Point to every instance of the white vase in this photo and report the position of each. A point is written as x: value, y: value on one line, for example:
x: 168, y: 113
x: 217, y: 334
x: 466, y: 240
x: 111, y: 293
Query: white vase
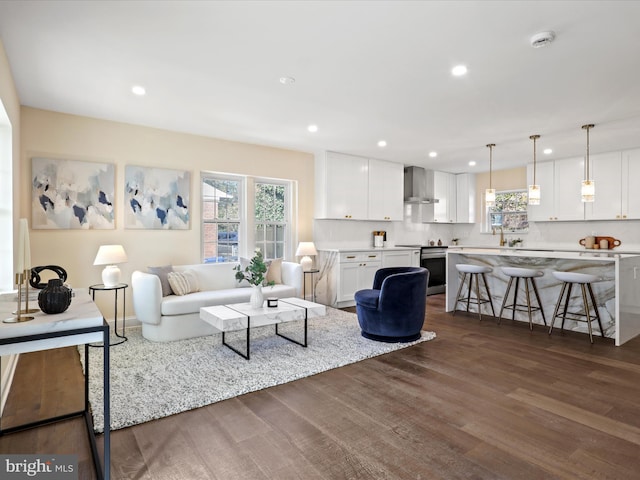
x: 257, y: 299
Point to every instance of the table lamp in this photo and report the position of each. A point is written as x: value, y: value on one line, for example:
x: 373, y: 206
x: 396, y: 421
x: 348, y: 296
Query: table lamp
x: 110, y: 255
x: 305, y: 249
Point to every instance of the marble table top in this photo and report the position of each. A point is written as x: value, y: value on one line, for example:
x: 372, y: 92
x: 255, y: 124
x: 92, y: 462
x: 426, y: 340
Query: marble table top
x: 234, y: 317
x: 82, y: 313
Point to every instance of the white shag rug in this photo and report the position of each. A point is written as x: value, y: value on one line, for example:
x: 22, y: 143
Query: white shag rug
x: 152, y: 380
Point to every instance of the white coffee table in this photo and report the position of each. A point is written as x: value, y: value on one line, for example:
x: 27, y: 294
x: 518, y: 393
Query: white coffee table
x: 240, y: 316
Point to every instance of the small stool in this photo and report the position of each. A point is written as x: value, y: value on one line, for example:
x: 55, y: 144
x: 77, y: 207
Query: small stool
x: 529, y: 275
x: 474, y: 271
x: 585, y: 281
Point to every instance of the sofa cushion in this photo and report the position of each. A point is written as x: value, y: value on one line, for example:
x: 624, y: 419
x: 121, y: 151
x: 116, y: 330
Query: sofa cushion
x: 192, y: 303
x: 161, y: 273
x: 183, y: 282
x: 274, y: 272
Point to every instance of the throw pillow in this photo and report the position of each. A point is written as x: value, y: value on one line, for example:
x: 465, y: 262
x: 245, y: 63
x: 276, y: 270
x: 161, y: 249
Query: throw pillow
x: 274, y: 272
x: 183, y: 283
x: 162, y: 272
x: 244, y: 263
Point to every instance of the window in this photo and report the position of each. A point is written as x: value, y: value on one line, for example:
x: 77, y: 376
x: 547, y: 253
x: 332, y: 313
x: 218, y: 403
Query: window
x: 242, y: 213
x: 270, y: 219
x: 220, y: 219
x: 509, y: 212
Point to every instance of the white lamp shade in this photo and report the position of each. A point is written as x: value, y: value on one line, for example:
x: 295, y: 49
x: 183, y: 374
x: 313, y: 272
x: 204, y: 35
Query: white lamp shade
x: 110, y: 255
x: 306, y: 248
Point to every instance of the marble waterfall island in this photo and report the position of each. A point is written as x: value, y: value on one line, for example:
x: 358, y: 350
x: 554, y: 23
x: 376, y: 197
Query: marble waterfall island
x: 617, y: 293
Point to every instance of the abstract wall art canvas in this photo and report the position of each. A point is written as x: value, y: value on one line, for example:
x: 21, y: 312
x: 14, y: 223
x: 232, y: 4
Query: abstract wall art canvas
x: 72, y: 194
x: 156, y: 198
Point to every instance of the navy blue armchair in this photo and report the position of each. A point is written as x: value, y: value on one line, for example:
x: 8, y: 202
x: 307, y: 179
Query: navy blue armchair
x: 393, y: 310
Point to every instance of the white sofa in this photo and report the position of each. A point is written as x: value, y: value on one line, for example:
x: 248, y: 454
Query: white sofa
x: 177, y: 317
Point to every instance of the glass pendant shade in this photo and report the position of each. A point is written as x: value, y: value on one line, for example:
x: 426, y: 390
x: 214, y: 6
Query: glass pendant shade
x: 588, y: 191
x: 534, y: 190
x: 490, y: 196
x: 534, y: 194
x: 490, y: 193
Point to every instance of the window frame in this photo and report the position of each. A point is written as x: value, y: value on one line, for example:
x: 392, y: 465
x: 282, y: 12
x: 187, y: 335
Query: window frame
x: 489, y: 228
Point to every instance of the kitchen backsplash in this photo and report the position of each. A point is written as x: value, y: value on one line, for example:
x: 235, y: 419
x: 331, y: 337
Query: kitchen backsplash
x: 357, y: 234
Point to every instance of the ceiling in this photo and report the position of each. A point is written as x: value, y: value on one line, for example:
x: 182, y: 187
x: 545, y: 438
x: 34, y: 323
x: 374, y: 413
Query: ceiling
x: 364, y: 71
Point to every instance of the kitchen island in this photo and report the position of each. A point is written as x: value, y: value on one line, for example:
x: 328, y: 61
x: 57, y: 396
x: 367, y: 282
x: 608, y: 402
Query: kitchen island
x: 617, y: 293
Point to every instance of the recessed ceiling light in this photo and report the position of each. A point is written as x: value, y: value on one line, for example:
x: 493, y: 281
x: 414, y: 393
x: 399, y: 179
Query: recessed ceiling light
x: 382, y: 143
x: 472, y: 163
x: 547, y: 151
x: 542, y: 39
x: 287, y: 80
x: 459, y: 70
x: 138, y: 90
x: 312, y: 128
x: 433, y: 154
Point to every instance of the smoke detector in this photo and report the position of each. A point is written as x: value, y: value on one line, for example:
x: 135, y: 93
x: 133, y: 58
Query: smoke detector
x: 542, y: 39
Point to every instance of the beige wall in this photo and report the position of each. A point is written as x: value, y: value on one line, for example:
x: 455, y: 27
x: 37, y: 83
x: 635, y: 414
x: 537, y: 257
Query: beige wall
x: 511, y: 179
x: 57, y: 135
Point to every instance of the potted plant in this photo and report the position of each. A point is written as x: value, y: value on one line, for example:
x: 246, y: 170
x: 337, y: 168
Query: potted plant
x: 454, y: 241
x: 255, y: 274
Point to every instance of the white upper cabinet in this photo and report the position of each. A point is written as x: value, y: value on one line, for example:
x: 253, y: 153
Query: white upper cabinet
x: 560, y: 183
x: 386, y: 196
x: 342, y: 186
x: 444, y: 189
x: 465, y: 198
x: 606, y: 171
x: 358, y: 188
x: 631, y: 161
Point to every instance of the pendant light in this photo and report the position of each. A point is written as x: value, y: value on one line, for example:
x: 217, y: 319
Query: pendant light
x: 534, y: 189
x: 588, y: 190
x: 490, y: 193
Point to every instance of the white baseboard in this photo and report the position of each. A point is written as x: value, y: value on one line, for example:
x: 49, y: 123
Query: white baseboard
x: 7, y: 378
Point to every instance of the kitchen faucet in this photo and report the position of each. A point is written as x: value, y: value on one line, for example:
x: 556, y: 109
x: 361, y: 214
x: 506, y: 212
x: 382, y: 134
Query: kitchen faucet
x: 502, y: 240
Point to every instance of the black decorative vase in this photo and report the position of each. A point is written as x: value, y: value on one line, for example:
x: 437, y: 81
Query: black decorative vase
x: 55, y: 297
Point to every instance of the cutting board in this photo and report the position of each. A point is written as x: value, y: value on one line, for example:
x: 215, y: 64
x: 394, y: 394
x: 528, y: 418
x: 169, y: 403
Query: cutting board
x: 613, y: 242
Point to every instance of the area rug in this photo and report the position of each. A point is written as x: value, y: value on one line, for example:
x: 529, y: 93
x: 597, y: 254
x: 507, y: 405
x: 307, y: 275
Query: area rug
x: 152, y: 380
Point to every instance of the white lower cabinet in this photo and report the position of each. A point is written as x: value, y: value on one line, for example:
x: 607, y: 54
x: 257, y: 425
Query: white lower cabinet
x: 357, y: 270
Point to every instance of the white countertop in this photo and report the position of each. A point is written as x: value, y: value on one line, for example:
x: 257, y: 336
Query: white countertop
x: 602, y: 255
x: 370, y: 249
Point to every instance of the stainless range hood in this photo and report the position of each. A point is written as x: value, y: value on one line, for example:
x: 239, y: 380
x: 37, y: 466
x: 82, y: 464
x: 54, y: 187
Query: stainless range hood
x: 419, y: 195
x: 419, y: 186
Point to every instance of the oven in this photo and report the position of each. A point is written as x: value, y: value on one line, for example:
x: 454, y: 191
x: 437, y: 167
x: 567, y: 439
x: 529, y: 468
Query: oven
x: 434, y: 259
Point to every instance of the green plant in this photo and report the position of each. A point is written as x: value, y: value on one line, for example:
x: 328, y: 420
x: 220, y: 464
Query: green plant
x: 254, y: 273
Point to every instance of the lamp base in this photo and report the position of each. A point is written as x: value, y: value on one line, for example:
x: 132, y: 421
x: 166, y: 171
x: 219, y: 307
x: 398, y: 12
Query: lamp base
x: 111, y: 276
x: 307, y: 263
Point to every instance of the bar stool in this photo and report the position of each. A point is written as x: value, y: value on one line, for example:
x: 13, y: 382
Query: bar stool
x: 474, y: 271
x: 585, y: 281
x: 529, y: 275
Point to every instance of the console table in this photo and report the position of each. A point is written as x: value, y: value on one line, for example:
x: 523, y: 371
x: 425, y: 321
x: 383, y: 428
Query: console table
x: 81, y: 324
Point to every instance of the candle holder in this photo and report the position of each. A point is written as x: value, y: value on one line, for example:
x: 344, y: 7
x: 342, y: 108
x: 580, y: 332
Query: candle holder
x: 22, y: 314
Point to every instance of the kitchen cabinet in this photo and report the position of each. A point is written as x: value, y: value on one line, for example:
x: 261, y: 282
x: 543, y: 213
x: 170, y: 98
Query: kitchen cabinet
x: 401, y: 258
x: 560, y: 183
x: 606, y: 172
x: 631, y: 159
x: 614, y: 174
x: 343, y: 186
x: 386, y: 197
x: 445, y: 191
x: 357, y: 188
x: 357, y: 270
x: 465, y: 198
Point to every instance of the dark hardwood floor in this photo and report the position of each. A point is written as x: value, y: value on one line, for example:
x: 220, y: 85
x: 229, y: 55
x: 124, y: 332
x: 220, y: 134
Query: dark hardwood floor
x: 481, y: 401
